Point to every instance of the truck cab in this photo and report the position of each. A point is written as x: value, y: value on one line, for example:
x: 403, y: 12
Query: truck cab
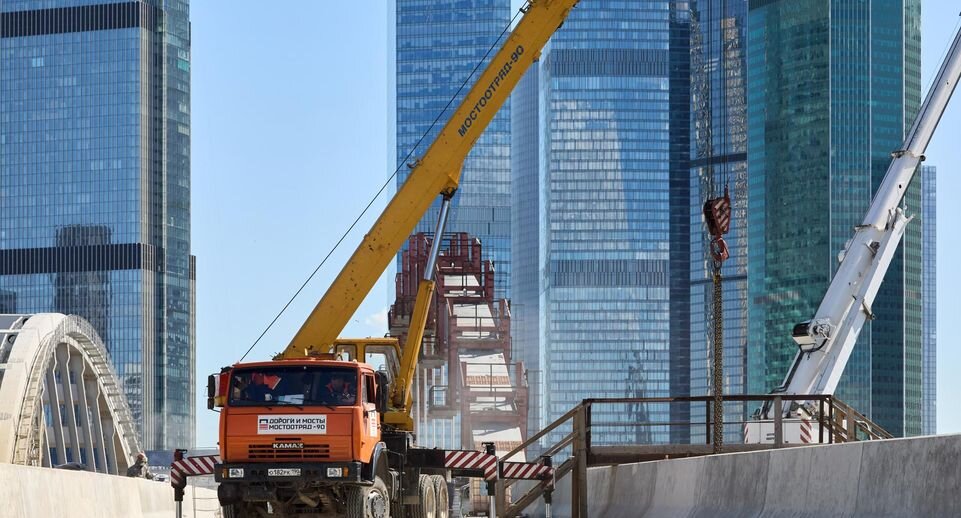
x: 300, y: 410
x: 303, y: 428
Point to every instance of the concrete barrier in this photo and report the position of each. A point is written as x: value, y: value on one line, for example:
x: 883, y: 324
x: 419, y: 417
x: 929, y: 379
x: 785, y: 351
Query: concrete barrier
x: 898, y: 477
x: 27, y: 492
x: 672, y: 487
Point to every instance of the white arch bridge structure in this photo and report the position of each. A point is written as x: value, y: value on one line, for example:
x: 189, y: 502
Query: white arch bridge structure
x: 60, y: 399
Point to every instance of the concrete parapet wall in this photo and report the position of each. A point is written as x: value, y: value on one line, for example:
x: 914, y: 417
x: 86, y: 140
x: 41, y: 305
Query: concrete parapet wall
x: 28, y: 492
x: 897, y: 477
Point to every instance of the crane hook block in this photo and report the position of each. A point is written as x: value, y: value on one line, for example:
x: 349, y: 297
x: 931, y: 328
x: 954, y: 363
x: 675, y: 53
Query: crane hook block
x: 719, y: 250
x: 717, y: 215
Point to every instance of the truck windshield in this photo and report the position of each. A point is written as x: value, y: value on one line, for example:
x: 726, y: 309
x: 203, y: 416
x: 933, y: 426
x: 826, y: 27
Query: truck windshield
x: 304, y: 385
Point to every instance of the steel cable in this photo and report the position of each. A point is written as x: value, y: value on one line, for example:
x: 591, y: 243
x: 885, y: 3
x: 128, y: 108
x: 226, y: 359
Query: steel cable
x: 383, y: 187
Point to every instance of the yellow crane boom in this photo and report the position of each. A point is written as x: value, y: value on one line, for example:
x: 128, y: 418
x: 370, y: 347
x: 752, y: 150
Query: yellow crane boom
x: 436, y: 173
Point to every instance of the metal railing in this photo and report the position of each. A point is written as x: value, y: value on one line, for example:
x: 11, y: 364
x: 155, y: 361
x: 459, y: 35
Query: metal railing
x: 612, y: 431
x: 849, y: 425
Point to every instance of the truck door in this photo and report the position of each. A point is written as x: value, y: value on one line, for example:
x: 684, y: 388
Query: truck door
x: 370, y: 435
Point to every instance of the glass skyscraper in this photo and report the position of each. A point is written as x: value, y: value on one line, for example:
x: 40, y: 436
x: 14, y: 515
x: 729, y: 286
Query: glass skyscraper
x: 95, y: 188
x: 929, y: 211
x: 438, y: 44
x: 527, y: 248
x: 718, y: 163
x: 832, y: 88
x: 600, y: 153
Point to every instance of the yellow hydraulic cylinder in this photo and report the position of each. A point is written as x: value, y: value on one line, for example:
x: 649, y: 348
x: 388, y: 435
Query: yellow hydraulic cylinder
x: 403, y: 396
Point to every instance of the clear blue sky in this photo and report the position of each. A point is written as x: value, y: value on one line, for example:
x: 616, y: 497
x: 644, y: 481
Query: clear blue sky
x: 290, y: 126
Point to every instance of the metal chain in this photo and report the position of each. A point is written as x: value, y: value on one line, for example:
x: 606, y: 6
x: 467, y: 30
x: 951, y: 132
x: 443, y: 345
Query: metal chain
x: 718, y: 361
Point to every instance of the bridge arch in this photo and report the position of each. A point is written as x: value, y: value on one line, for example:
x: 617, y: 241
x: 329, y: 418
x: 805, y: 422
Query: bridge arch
x: 60, y: 399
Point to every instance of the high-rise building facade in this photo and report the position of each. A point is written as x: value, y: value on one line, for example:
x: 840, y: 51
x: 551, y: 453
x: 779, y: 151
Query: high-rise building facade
x: 95, y: 188
x: 600, y: 170
x: 929, y: 254
x: 833, y: 87
x: 438, y: 45
x: 718, y: 165
x: 527, y: 248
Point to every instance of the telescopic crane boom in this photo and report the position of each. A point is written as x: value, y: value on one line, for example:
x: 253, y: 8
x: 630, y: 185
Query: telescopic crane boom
x: 826, y: 341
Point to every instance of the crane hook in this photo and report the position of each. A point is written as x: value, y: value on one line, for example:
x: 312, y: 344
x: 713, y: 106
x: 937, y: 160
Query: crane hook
x: 719, y: 250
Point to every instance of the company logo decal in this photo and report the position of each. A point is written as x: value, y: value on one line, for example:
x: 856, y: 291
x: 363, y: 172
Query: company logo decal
x: 310, y: 424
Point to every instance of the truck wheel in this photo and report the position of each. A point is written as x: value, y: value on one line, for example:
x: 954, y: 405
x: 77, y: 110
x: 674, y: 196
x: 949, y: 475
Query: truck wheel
x: 368, y: 501
x: 441, y: 496
x: 427, y: 505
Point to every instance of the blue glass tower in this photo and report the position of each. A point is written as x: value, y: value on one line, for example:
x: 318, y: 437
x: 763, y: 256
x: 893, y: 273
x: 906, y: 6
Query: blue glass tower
x: 439, y: 42
x: 600, y: 165
x: 95, y: 188
x: 527, y: 247
x: 718, y: 162
x: 832, y: 88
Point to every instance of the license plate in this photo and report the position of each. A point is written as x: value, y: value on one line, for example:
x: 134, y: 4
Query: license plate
x: 283, y: 472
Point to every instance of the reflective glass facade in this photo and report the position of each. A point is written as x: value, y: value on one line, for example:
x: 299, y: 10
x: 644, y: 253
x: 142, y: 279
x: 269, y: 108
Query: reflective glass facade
x: 718, y: 162
x: 94, y: 188
x: 832, y: 88
x: 527, y: 195
x: 601, y: 146
x: 929, y: 210
x: 439, y: 42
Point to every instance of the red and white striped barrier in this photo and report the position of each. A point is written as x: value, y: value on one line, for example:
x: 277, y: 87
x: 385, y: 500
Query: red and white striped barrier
x: 472, y: 460
x: 192, y: 466
x: 525, y: 471
x: 806, y: 435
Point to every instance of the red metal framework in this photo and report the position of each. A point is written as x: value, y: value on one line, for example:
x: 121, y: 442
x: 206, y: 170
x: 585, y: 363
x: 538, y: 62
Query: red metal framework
x: 466, y: 369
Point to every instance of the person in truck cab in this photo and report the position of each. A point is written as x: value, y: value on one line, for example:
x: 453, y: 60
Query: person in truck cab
x: 339, y: 391
x: 257, y: 390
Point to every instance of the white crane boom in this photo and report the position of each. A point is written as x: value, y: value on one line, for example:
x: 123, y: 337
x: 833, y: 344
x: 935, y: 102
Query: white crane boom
x: 826, y: 341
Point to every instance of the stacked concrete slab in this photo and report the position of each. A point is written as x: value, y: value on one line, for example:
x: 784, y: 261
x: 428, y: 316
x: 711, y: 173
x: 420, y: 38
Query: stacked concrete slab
x: 898, y: 477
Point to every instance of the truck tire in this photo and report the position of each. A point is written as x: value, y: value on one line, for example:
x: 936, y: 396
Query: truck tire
x: 441, y: 496
x: 368, y: 501
x: 427, y: 505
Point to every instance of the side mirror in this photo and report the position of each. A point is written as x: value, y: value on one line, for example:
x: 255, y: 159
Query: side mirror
x: 211, y: 391
x: 383, y: 391
x: 216, y: 390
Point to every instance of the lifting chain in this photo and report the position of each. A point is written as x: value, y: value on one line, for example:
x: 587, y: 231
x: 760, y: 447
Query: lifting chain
x: 718, y: 353
x: 717, y: 215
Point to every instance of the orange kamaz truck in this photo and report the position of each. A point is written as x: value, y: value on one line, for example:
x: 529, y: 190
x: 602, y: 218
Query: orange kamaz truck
x: 325, y: 428
x: 305, y: 436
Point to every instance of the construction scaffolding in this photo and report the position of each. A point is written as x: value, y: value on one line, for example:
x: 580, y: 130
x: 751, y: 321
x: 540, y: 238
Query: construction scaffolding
x: 468, y: 390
